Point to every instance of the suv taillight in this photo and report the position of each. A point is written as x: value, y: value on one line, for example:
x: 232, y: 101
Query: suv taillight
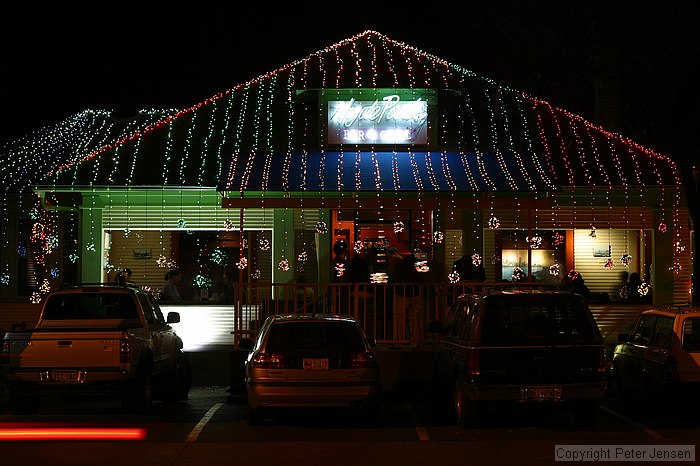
x: 362, y: 360
x: 267, y: 361
x: 473, y: 362
x: 124, y: 351
x: 601, y: 362
x: 672, y: 374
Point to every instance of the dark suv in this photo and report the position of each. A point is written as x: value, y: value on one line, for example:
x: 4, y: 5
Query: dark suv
x: 520, y: 346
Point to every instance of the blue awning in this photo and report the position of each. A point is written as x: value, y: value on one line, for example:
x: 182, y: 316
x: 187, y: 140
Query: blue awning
x: 389, y: 171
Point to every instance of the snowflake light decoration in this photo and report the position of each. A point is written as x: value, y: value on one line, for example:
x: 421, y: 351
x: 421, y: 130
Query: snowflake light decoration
x: 256, y: 273
x: 518, y: 274
x: 624, y: 292
x: 679, y: 246
x: 90, y: 247
x: 535, y: 242
x: 494, y: 222
x: 218, y: 256
x: 476, y: 259
x: 162, y: 261
x: 676, y: 267
x: 35, y: 298
x: 127, y: 232
x: 228, y: 225
x: 4, y: 279
x: 55, y: 272
x: 45, y: 286
x: 321, y: 228
x: 399, y: 227
x: 609, y: 263
x: 438, y: 237
x: 74, y: 258
x: 626, y: 259
x: 453, y: 277
x: 181, y: 223
x: 242, y: 263
x: 358, y: 246
x: 202, y: 282
x: 21, y: 251
x: 662, y: 227
x: 573, y: 274
x: 555, y: 270
x: 264, y: 244
x: 339, y: 269
x: 558, y: 239
x: 644, y: 289
x: 302, y: 257
x: 244, y: 243
x: 283, y: 265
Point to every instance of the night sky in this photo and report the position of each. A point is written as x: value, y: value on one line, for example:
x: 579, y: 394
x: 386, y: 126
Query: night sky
x: 58, y: 60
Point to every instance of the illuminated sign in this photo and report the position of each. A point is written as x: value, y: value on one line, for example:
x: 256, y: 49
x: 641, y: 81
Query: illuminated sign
x: 386, y: 121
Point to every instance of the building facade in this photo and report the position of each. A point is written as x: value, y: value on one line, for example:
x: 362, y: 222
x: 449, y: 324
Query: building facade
x: 370, y: 142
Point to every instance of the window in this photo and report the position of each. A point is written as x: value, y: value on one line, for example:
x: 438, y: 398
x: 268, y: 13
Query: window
x: 691, y: 334
x: 642, y: 333
x: 663, y: 332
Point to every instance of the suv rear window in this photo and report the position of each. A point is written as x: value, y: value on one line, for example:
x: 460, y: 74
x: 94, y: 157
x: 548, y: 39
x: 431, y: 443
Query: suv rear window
x: 332, y: 336
x: 90, y: 306
x: 518, y: 318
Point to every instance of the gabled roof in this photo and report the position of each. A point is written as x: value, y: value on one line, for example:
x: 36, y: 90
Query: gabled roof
x: 26, y: 160
x: 258, y: 135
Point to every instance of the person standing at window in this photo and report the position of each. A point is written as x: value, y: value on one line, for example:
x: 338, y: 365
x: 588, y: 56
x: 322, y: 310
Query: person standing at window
x: 171, y: 291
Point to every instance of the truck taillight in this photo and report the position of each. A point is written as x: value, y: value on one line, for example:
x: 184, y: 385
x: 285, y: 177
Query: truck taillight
x: 473, y: 362
x: 124, y: 351
x: 268, y: 361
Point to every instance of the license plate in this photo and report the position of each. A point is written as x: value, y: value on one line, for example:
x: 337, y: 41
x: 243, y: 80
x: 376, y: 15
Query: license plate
x: 547, y: 392
x: 315, y: 364
x: 64, y: 376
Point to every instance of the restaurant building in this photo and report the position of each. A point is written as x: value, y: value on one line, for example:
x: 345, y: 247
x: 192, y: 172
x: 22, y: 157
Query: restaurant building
x: 369, y: 141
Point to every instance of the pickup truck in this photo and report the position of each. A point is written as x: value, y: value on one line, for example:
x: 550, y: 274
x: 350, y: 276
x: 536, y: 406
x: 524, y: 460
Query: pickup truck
x: 105, y: 340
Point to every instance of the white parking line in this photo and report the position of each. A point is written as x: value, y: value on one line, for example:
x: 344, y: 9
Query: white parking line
x: 420, y: 430
x: 652, y: 433
x: 192, y: 437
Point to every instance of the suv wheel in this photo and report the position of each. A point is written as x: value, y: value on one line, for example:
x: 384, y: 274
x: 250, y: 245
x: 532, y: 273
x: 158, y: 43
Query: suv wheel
x: 467, y: 410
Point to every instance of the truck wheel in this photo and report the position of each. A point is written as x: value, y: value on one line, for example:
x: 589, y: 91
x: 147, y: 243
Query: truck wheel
x: 138, y: 396
x: 24, y: 404
x: 179, y: 379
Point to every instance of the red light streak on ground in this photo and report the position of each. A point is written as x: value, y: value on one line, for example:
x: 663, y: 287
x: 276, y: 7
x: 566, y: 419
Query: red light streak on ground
x: 72, y: 433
